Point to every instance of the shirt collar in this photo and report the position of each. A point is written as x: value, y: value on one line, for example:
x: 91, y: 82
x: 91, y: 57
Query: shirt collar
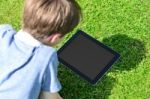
x: 27, y: 38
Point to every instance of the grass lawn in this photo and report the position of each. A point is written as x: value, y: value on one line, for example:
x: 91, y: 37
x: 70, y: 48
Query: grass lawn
x: 124, y: 25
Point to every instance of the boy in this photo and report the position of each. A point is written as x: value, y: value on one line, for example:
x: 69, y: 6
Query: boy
x: 28, y: 62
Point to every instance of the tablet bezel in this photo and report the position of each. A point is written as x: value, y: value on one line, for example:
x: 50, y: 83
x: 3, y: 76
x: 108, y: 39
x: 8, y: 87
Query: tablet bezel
x: 103, y: 71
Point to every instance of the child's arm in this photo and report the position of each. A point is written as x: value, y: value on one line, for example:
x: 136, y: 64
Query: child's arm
x: 50, y: 85
x: 48, y: 95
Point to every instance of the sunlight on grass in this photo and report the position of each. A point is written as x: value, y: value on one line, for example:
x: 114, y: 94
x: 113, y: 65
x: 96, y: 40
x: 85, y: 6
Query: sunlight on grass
x: 124, y: 25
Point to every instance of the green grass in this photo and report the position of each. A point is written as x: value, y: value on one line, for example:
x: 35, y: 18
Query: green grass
x: 124, y: 25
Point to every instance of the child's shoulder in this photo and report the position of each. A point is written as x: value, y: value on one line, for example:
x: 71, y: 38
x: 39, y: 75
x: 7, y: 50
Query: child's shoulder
x: 48, y: 50
x: 5, y: 27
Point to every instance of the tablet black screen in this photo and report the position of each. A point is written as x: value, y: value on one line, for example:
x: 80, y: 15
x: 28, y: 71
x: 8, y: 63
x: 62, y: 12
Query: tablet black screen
x: 86, y: 56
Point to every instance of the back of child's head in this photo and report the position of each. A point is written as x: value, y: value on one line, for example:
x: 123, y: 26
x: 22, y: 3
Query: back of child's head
x: 44, y: 17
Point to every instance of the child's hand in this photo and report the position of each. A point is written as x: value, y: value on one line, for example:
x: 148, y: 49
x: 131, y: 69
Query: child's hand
x: 60, y: 96
x: 48, y: 95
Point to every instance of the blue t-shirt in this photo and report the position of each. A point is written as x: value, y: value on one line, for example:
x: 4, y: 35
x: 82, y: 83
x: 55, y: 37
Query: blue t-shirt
x: 25, y: 69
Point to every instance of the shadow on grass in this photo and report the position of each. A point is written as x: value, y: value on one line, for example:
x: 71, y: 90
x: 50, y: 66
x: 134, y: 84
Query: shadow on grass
x: 74, y: 87
x: 132, y: 52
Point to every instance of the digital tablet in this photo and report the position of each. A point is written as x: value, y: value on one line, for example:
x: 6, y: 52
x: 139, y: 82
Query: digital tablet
x: 86, y: 56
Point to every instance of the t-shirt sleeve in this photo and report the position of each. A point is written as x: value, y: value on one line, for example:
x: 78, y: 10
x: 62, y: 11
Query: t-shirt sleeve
x: 51, y: 82
x: 6, y: 35
x: 4, y: 28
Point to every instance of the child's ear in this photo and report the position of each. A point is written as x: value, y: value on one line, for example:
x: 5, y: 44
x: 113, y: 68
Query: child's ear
x: 54, y: 37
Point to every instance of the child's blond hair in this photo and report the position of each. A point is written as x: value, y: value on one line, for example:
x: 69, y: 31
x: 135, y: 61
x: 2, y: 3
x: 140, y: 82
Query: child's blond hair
x: 44, y: 17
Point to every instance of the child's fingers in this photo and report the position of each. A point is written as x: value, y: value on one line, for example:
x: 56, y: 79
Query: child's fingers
x: 60, y: 97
